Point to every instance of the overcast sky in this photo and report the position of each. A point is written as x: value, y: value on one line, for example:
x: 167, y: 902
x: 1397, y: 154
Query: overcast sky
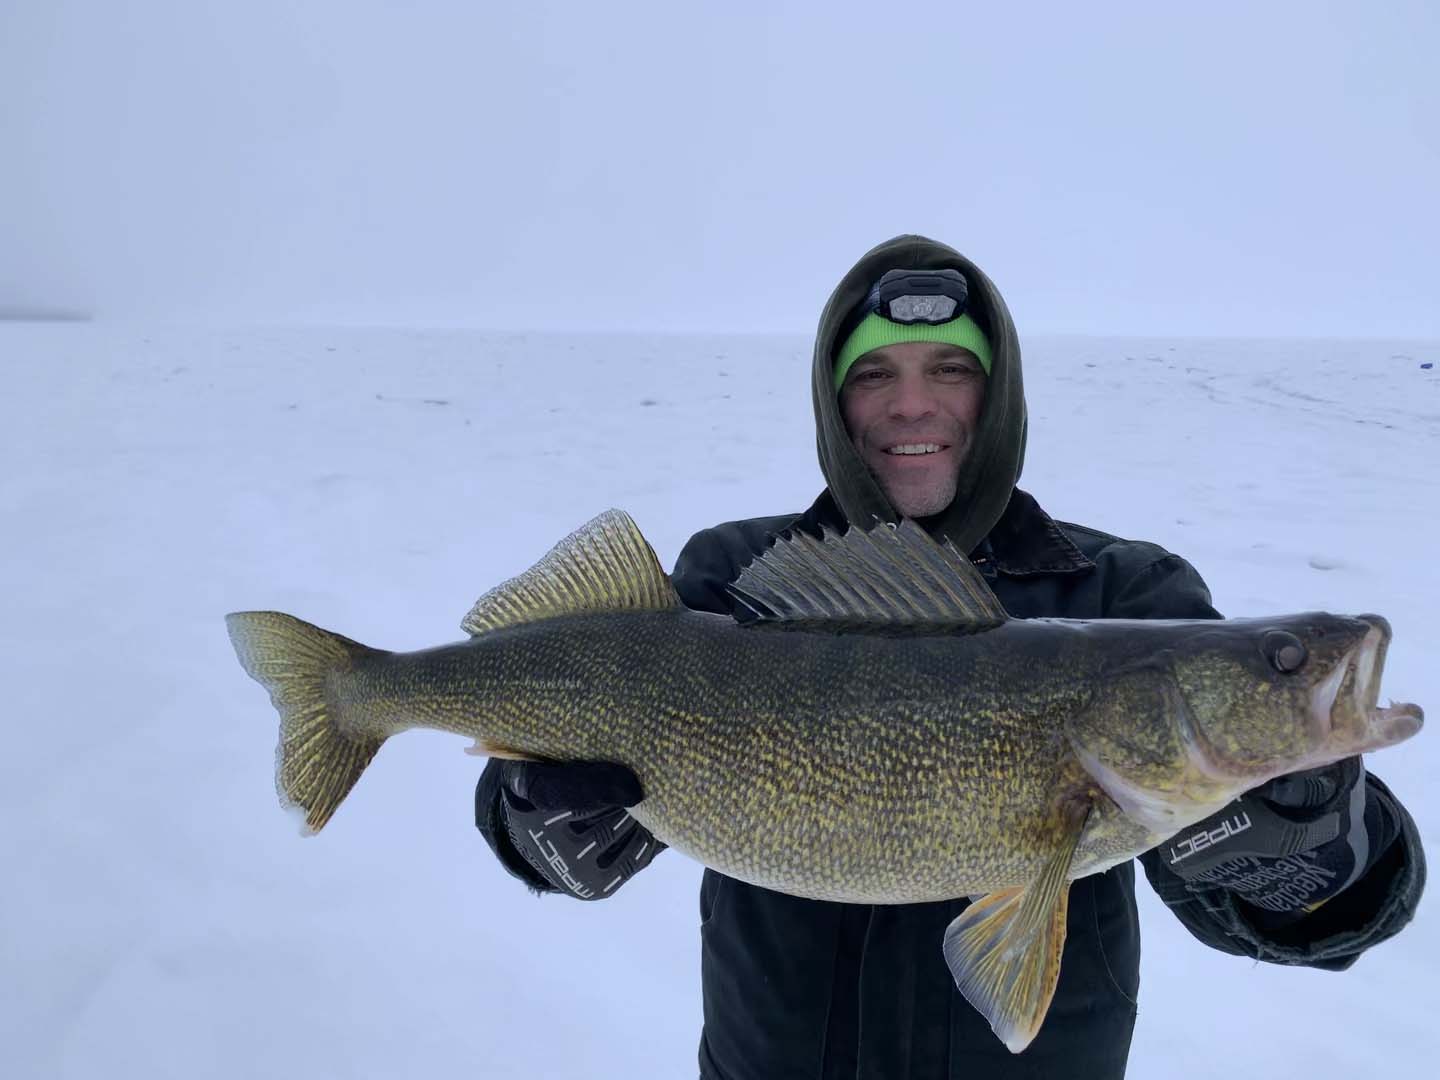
x: 1225, y: 168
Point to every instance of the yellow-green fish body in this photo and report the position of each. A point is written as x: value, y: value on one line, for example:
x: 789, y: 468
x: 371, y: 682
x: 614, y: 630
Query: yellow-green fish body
x: 839, y: 767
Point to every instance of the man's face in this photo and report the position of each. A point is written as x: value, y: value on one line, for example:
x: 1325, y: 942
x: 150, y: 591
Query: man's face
x: 912, y: 410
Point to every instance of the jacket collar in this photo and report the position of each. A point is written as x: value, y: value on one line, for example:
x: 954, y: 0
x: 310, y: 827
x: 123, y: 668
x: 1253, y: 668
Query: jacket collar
x: 1025, y: 541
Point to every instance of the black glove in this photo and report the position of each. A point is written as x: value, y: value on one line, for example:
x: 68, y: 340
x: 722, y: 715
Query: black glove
x: 564, y: 827
x: 1287, y: 846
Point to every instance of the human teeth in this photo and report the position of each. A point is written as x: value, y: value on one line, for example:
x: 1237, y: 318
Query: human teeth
x: 916, y: 448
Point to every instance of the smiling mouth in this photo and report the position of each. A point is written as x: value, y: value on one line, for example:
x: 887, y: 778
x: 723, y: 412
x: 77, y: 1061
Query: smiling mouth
x: 915, y: 449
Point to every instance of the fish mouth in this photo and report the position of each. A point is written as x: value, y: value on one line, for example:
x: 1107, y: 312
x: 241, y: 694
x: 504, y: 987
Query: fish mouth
x: 1345, y: 713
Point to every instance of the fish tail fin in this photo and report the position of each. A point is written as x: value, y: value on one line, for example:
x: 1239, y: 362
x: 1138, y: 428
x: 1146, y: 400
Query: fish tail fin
x: 318, y: 759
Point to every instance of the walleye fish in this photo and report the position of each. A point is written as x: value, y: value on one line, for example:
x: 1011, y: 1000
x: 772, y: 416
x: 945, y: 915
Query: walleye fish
x: 880, y: 732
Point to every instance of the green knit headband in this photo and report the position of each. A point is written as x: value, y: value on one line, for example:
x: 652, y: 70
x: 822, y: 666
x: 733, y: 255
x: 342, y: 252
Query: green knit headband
x: 875, y: 331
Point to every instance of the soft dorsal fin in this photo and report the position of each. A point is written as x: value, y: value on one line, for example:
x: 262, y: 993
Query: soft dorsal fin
x: 605, y: 565
x: 892, y: 577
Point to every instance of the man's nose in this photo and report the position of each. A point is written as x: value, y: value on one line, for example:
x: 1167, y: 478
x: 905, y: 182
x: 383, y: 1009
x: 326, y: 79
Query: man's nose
x: 912, y: 399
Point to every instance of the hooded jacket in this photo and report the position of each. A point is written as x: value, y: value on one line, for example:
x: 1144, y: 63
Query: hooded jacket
x: 809, y: 989
x: 797, y: 988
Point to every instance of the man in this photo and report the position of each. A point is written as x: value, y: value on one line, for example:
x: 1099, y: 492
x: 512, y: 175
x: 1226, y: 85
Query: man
x: 920, y: 413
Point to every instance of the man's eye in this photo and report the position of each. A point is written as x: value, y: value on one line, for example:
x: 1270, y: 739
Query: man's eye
x: 957, y: 369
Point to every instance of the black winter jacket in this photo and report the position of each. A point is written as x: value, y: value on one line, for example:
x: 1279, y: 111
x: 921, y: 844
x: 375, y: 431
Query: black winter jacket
x: 815, y: 990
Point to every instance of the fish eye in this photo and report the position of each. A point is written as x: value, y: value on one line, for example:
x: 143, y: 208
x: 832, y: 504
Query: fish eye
x: 1286, y: 652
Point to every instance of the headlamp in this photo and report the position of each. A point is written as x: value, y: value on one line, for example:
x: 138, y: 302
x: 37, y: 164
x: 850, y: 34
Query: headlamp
x: 920, y: 296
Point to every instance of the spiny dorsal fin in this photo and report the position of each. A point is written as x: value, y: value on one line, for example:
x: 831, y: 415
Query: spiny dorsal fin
x: 605, y: 565
x: 892, y: 577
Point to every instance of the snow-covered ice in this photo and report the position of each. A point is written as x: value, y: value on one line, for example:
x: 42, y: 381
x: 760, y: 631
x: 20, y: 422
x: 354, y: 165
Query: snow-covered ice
x: 159, y: 918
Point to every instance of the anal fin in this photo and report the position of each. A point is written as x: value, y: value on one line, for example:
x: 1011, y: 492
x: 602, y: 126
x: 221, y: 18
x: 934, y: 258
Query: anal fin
x: 489, y: 748
x: 1004, y: 949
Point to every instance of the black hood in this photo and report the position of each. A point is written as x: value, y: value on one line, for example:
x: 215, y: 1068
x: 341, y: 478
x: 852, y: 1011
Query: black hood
x: 989, y: 473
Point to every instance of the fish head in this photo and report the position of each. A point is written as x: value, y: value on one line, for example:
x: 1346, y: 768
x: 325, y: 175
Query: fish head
x: 1279, y: 695
x: 1221, y: 707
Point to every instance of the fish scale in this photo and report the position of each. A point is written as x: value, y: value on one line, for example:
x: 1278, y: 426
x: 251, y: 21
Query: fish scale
x: 793, y: 772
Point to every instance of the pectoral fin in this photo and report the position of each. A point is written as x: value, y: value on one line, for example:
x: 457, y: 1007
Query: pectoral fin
x: 1004, y: 949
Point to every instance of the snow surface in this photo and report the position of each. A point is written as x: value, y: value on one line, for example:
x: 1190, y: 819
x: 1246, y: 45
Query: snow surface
x: 159, y: 917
